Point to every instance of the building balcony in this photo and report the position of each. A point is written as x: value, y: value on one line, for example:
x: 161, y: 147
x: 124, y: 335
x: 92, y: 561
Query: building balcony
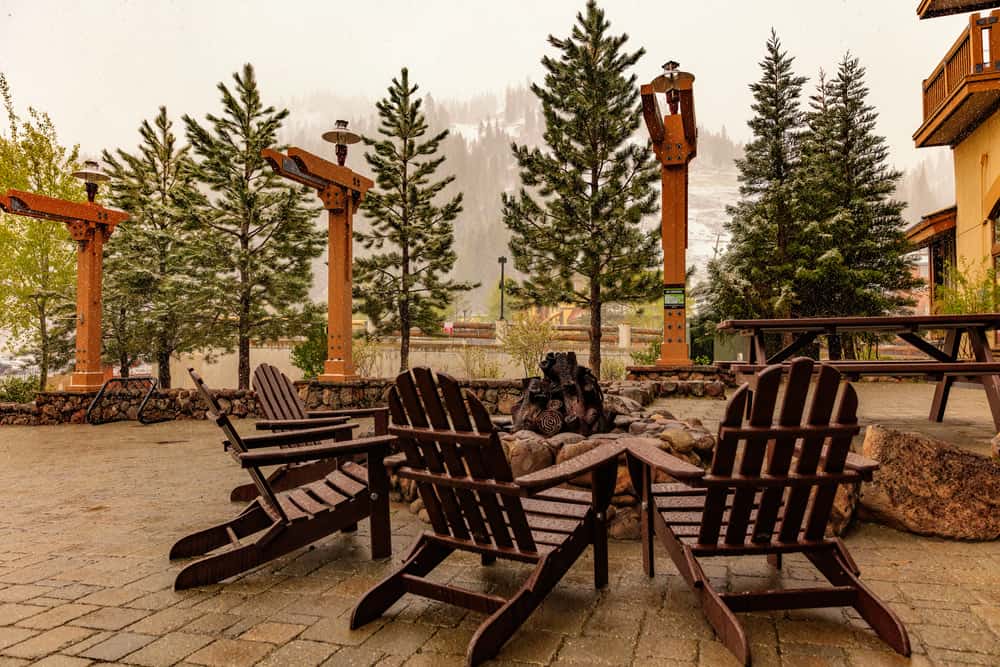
x: 929, y: 9
x: 964, y: 89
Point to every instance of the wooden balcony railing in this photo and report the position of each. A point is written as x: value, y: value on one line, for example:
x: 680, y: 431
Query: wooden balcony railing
x: 976, y: 51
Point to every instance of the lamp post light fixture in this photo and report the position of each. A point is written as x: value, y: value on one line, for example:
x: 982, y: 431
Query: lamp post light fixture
x: 675, y: 143
x: 503, y: 262
x: 342, y: 137
x: 92, y: 176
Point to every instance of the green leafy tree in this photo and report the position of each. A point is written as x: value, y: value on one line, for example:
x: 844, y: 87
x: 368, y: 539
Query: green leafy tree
x: 402, y: 283
x: 37, y: 257
x: 259, y: 232
x: 858, y: 262
x: 576, y: 221
x: 158, y: 295
x: 755, y: 277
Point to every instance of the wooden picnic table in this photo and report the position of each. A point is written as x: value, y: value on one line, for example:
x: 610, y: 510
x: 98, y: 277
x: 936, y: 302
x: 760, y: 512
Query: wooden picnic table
x: 941, y: 363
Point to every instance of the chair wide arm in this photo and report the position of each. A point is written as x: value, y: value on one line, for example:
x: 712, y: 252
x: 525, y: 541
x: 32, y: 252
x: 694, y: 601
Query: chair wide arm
x: 298, y: 437
x: 379, y: 414
x: 655, y: 457
x: 278, y: 455
x: 546, y: 478
x: 297, y: 424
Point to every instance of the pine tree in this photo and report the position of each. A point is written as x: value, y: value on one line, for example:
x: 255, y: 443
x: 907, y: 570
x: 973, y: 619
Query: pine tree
x: 401, y: 284
x: 260, y: 230
x: 755, y: 277
x: 576, y: 221
x: 37, y: 257
x: 158, y: 295
x: 860, y: 266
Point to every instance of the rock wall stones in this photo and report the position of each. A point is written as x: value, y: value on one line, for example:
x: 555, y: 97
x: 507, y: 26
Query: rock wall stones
x: 931, y: 487
x: 683, y: 375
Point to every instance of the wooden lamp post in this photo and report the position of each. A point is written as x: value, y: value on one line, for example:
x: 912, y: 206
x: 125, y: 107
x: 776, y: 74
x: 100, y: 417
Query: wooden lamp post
x: 90, y: 225
x: 675, y: 142
x: 341, y: 191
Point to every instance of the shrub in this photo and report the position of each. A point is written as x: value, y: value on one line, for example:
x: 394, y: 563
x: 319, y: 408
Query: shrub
x: 476, y: 363
x: 646, y: 356
x: 528, y: 337
x: 18, y: 389
x: 310, y: 355
x: 366, y: 355
x: 966, y: 291
x: 612, y: 369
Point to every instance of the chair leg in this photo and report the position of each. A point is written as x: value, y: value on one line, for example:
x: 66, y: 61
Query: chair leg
x: 724, y: 622
x: 250, y: 521
x: 425, y: 556
x: 380, y: 527
x: 487, y: 559
x: 774, y: 560
x: 882, y: 620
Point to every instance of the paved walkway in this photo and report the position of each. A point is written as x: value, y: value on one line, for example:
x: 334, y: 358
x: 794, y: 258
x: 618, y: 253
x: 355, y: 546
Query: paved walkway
x: 90, y: 513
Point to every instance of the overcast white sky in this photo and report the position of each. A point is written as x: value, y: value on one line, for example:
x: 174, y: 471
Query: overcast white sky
x: 100, y: 66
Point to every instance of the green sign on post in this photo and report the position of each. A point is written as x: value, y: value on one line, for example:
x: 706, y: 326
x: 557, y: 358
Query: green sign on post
x: 673, y: 297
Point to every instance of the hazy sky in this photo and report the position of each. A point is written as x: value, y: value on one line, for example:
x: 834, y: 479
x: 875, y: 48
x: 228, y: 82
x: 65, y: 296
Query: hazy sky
x: 100, y: 66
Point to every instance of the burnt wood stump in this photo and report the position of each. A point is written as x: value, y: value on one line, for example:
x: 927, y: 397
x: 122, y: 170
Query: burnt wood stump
x: 566, y: 398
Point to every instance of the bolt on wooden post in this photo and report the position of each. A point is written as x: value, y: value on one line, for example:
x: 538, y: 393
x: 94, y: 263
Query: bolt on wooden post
x: 341, y: 191
x: 675, y: 143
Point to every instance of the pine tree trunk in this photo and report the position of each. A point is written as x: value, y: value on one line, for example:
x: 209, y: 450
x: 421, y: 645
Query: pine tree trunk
x: 595, y: 328
x: 243, y: 341
x: 163, y: 367
x: 43, y: 363
x: 123, y: 365
x: 404, y: 301
x: 834, y: 348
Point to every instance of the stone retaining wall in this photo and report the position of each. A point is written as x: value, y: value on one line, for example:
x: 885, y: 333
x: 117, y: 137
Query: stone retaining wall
x: 682, y: 376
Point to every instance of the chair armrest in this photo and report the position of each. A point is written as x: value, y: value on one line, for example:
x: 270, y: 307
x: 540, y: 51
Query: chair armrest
x: 298, y: 437
x: 346, y: 412
x: 856, y: 462
x: 394, y: 461
x: 569, y: 469
x: 657, y: 458
x: 295, y: 424
x: 278, y: 455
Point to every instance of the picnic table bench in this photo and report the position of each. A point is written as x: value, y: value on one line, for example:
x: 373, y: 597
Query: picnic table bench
x: 940, y: 363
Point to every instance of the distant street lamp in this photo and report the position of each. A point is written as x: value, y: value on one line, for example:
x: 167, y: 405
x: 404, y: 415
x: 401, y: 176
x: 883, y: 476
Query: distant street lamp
x: 503, y: 262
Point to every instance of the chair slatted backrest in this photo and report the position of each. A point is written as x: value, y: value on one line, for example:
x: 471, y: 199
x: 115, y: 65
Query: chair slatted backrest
x: 779, y: 474
x: 218, y: 415
x: 463, y: 477
x: 276, y: 394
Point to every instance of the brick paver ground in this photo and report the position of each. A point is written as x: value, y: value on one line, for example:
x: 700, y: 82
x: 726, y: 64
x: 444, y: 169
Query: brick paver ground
x: 90, y: 513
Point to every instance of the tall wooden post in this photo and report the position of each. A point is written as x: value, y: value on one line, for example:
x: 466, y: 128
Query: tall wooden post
x: 675, y: 143
x: 341, y: 191
x: 90, y: 225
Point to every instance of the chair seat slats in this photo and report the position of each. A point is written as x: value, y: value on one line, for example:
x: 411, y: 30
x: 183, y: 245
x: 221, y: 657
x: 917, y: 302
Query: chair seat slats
x: 345, y: 484
x: 566, y: 496
x: 356, y: 471
x: 326, y: 493
x: 555, y: 508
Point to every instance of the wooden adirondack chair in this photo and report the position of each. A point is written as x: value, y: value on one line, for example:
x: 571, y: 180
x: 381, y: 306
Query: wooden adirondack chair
x: 283, y: 411
x: 453, y: 453
x: 278, y: 522
x: 769, y: 491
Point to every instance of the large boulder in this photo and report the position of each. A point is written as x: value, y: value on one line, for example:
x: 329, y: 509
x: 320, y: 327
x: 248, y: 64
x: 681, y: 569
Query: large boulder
x: 530, y: 455
x: 931, y: 487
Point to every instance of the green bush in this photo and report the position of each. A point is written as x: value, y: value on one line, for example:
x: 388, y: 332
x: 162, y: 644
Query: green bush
x: 528, y: 337
x: 477, y: 364
x: 18, y: 390
x: 612, y: 369
x: 647, y: 356
x: 310, y: 355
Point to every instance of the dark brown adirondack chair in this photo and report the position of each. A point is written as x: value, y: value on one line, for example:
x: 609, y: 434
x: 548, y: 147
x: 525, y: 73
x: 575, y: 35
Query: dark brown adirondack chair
x: 278, y: 522
x: 283, y: 411
x: 453, y: 453
x: 769, y: 492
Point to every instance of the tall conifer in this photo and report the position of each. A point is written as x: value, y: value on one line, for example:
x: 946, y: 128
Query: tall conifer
x: 261, y: 230
x: 576, y: 221
x: 402, y: 284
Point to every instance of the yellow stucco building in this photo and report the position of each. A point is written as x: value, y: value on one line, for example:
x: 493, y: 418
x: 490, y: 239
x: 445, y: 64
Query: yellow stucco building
x: 961, y: 109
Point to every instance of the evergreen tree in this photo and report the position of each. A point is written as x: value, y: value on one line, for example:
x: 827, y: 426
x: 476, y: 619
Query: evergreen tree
x: 157, y: 292
x: 755, y: 277
x: 37, y: 257
x: 401, y: 284
x: 260, y: 230
x: 576, y: 221
x: 856, y: 226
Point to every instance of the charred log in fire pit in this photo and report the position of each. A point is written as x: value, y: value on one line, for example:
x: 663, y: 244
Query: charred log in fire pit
x: 567, y: 398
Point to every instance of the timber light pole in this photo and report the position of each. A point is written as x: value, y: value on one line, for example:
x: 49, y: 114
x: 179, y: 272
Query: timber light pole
x: 503, y: 262
x: 675, y: 142
x: 341, y: 191
x: 90, y: 225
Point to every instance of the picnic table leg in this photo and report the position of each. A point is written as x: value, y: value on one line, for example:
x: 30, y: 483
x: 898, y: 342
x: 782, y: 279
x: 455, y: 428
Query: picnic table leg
x: 943, y: 389
x: 981, y: 349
